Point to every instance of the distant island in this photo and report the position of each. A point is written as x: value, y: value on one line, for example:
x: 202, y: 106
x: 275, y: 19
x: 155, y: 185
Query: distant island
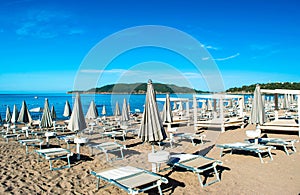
x: 141, y: 88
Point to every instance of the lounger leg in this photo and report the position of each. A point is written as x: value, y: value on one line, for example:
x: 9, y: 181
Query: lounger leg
x: 106, y: 157
x: 50, y: 162
x: 221, y: 153
x: 270, y: 154
x: 294, y: 148
x: 69, y: 164
x: 200, y: 180
x: 286, y: 151
x: 159, y: 188
x: 26, y: 149
x: 98, y: 183
x: 122, y: 153
x: 192, y: 141
x: 216, y: 172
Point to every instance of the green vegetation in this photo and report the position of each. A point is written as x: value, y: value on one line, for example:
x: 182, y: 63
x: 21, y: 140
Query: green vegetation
x: 141, y: 88
x: 278, y: 85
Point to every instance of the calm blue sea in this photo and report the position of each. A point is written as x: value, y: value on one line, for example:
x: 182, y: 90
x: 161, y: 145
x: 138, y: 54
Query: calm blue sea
x: 136, y: 101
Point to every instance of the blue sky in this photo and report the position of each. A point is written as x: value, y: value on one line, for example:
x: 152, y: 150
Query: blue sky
x: 43, y: 43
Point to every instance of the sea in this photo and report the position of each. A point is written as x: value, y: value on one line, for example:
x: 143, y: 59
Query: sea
x: 58, y: 100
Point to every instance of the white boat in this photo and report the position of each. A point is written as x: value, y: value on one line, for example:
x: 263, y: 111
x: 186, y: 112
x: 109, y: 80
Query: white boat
x: 37, y: 109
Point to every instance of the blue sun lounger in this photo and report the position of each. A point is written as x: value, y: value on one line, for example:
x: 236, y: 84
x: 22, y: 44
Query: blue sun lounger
x: 197, y: 164
x: 248, y: 147
x: 55, y: 154
x: 131, y: 179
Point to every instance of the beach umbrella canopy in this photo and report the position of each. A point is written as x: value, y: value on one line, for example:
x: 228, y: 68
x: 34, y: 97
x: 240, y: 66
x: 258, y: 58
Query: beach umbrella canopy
x: 167, y: 112
x: 92, y: 112
x: 125, y: 113
x: 103, y: 112
x: 77, y: 121
x: 15, y: 114
x: 128, y: 107
x: 151, y: 129
x: 46, y: 121
x: 117, y: 109
x: 24, y: 115
x: 53, y: 113
x: 7, y: 115
x: 257, y: 115
x: 67, y: 109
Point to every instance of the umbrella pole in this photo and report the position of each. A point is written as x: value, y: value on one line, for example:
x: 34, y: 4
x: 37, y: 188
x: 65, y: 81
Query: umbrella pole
x: 152, y: 148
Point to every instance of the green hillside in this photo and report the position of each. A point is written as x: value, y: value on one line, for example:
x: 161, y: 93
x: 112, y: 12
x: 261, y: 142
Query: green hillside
x: 278, y: 85
x: 140, y: 88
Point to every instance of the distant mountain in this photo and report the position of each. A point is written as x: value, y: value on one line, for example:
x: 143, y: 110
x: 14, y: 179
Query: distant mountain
x: 278, y: 85
x: 141, y: 88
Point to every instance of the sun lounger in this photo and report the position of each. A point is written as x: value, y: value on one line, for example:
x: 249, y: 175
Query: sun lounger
x: 55, y: 154
x: 278, y: 142
x: 109, y: 147
x: 68, y: 139
x: 31, y: 142
x: 131, y: 179
x: 248, y: 147
x: 12, y: 135
x: 190, y: 136
x: 114, y: 134
x: 197, y: 164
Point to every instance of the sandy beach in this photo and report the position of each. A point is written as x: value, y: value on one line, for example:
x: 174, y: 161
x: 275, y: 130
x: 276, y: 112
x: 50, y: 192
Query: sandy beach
x: 240, y: 173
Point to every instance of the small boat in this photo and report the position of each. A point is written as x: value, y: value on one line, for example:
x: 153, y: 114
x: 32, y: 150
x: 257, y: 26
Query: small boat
x: 37, y: 109
x: 36, y: 97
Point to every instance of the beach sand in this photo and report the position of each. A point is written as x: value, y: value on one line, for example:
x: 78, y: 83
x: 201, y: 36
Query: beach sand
x: 240, y: 173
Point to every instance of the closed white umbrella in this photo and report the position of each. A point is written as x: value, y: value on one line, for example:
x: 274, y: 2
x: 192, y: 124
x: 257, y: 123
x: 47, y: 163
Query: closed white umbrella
x: 46, y: 121
x: 167, y: 112
x: 257, y: 115
x: 151, y: 129
x: 117, y: 109
x: 67, y: 109
x: 7, y: 115
x: 77, y: 121
x: 125, y: 113
x: 24, y: 115
x: 53, y: 113
x: 15, y: 114
x: 92, y: 112
x: 103, y: 112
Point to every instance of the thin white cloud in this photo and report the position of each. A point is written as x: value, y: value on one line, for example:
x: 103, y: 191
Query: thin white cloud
x: 46, y: 24
x: 227, y: 58
x: 102, y: 71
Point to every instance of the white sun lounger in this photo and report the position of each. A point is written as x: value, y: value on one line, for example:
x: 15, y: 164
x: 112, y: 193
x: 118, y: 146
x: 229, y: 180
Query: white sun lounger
x: 55, y: 154
x: 190, y: 136
x: 9, y: 136
x: 131, y: 179
x: 197, y: 164
x: 285, y: 143
x: 256, y: 148
x: 31, y: 142
x: 107, y: 147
